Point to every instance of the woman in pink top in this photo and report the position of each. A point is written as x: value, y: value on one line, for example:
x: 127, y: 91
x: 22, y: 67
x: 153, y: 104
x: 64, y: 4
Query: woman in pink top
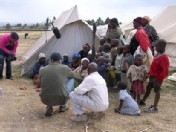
x: 8, y: 46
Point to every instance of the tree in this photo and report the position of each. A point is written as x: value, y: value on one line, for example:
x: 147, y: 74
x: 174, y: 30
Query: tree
x: 90, y: 22
x: 37, y: 25
x: 24, y: 26
x: 8, y: 26
x: 18, y: 25
x: 107, y: 20
x: 100, y: 21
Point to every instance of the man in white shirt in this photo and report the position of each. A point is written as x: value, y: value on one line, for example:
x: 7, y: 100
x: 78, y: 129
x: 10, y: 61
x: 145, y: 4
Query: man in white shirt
x: 91, y: 94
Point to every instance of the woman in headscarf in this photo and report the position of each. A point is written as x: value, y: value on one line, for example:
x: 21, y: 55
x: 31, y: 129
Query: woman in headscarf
x: 140, y: 41
x: 82, y: 71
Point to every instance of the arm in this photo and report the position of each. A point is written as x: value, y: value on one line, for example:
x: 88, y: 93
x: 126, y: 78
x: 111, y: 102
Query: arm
x: 15, y: 48
x: 129, y: 73
x: 154, y: 34
x: 120, y: 105
x: 4, y: 40
x: 142, y: 39
x: 84, y: 87
x: 164, y: 67
x: 126, y: 65
x: 36, y: 69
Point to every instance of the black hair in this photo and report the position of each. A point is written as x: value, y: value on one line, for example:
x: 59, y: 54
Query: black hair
x: 121, y: 85
x: 127, y: 46
x: 138, y: 55
x: 14, y: 35
x: 121, y: 49
x: 55, y: 57
x: 160, y: 42
x: 114, y: 20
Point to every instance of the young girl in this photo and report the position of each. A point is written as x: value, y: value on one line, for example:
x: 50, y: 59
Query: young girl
x: 118, y: 63
x: 128, y: 105
x: 137, y: 73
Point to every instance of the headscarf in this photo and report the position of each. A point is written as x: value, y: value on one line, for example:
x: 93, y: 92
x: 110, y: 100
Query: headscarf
x: 84, y: 59
x: 147, y: 18
x: 138, y: 20
x: 42, y: 55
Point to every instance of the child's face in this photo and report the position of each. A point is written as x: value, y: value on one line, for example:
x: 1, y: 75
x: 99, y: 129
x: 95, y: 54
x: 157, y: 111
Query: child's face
x: 139, y: 60
x: 65, y: 58
x: 125, y: 50
x: 99, y: 61
x: 86, y: 49
x: 119, y: 51
x: 85, y: 64
x: 159, y: 48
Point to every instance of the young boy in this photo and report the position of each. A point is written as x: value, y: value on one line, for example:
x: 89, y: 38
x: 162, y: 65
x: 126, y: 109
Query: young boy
x: 158, y: 71
x: 127, y: 61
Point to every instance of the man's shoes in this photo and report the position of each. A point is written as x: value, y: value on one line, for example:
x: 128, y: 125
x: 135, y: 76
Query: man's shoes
x: 152, y: 109
x: 49, y: 111
x: 62, y: 108
x: 98, y: 115
x: 1, y: 77
x: 79, y: 118
x: 142, y: 103
x: 10, y: 78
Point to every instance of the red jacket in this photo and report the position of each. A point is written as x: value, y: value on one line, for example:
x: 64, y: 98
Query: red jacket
x: 4, y: 41
x: 142, y: 39
x: 159, y: 68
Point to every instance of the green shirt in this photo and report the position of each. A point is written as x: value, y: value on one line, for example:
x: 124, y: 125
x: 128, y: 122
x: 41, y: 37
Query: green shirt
x: 53, y: 80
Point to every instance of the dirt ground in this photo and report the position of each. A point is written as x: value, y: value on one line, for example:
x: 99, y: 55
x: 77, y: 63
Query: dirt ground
x: 22, y: 111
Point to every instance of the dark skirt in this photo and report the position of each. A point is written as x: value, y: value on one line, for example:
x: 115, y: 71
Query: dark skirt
x: 137, y: 87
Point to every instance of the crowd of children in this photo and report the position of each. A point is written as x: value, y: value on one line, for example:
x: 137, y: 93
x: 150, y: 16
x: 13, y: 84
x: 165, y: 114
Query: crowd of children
x: 118, y: 66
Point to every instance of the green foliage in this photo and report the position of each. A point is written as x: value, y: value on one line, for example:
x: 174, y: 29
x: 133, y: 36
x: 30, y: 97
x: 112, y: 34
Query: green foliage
x: 107, y: 20
x: 8, y: 26
x: 100, y: 21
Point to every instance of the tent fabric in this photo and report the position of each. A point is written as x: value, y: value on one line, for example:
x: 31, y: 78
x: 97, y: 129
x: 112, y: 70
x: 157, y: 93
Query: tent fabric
x: 74, y: 33
x: 165, y: 24
x: 172, y: 78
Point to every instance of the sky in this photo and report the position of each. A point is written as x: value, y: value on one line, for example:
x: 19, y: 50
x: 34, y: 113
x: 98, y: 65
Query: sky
x: 36, y: 11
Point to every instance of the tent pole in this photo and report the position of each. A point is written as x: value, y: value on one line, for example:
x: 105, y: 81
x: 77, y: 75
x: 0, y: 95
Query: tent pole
x: 93, y: 42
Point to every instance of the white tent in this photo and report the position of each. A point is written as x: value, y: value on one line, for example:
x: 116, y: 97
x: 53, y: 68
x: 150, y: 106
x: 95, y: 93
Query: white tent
x: 74, y: 33
x: 165, y: 24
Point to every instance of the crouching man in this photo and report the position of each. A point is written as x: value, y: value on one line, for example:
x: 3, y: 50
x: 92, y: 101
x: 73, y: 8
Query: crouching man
x: 91, y: 94
x: 52, y: 82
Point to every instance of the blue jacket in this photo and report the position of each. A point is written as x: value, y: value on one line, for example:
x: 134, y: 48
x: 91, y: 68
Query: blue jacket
x: 36, y: 68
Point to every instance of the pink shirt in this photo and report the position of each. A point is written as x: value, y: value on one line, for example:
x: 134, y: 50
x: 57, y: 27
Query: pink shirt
x: 4, y: 41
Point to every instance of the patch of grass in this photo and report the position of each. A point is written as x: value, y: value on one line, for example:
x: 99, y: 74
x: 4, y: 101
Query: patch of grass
x: 173, y: 87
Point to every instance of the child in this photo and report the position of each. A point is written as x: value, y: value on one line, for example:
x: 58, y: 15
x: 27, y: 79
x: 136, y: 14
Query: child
x: 66, y: 60
x: 158, y: 71
x: 118, y: 63
x: 102, y: 67
x: 114, y: 44
x: 128, y: 105
x: 137, y: 73
x: 127, y: 61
